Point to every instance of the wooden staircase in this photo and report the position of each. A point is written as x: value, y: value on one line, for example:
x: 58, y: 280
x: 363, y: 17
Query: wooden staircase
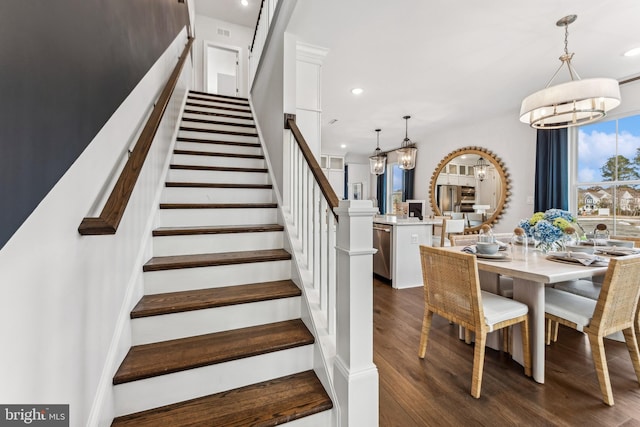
x: 217, y: 337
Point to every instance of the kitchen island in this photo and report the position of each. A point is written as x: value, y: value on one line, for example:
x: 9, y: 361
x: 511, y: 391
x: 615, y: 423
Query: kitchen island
x: 398, y: 242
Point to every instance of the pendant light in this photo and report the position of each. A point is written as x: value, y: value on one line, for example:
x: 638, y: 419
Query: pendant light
x: 480, y: 169
x: 407, y: 151
x: 378, y: 161
x: 577, y: 102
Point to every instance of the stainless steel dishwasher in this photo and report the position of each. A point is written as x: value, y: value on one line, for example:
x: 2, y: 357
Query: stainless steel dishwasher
x: 382, y: 238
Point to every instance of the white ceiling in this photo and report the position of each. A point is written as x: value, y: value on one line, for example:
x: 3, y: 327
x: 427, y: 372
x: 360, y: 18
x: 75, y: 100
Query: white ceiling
x: 230, y: 11
x: 445, y: 63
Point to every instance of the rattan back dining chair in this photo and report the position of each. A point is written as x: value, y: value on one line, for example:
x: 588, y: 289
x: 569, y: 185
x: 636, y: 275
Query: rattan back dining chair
x: 452, y: 290
x: 615, y: 310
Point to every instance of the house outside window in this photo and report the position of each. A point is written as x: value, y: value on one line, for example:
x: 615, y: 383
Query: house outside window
x: 605, y: 178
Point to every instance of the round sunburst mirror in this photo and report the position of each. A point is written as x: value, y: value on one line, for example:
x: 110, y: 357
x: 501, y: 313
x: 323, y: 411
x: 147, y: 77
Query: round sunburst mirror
x: 472, y: 181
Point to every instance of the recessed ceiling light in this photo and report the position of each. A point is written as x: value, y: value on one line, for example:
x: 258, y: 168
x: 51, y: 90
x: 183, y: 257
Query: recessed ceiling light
x: 343, y: 145
x: 245, y: 3
x: 633, y: 52
x: 357, y: 91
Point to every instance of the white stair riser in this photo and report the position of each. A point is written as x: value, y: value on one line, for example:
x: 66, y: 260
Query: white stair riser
x: 166, y: 327
x: 185, y: 279
x: 188, y: 175
x: 215, y: 97
x: 217, y: 136
x: 324, y: 418
x: 194, y: 217
x: 216, y: 195
x: 218, y: 148
x: 210, y: 109
x: 236, y: 120
x: 198, y: 160
x: 179, y: 386
x: 216, y: 243
x: 218, y: 126
x: 214, y: 103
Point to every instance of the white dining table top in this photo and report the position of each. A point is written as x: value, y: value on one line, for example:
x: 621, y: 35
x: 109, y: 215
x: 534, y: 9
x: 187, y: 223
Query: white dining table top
x: 537, y: 268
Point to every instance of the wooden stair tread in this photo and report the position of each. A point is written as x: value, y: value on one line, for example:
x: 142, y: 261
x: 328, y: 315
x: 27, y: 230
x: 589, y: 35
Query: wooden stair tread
x: 173, y: 262
x: 212, y: 113
x: 217, y: 185
x: 218, y: 122
x: 150, y: 360
x: 219, y: 99
x: 222, y: 229
x: 198, y: 92
x: 178, y: 302
x: 224, y: 132
x: 268, y: 403
x: 218, y: 107
x: 218, y: 205
x: 218, y: 168
x: 216, y: 154
x: 213, y: 141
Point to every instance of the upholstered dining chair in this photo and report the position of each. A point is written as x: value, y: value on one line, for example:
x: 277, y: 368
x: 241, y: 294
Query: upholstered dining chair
x: 615, y: 310
x: 591, y: 288
x: 505, y: 285
x: 452, y: 290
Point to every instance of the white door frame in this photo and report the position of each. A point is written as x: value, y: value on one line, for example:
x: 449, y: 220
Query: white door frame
x: 205, y: 76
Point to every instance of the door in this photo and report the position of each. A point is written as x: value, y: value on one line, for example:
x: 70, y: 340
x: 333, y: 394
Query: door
x: 222, y: 70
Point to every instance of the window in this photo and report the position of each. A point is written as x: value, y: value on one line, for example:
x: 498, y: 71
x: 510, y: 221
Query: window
x: 396, y: 183
x: 606, y: 180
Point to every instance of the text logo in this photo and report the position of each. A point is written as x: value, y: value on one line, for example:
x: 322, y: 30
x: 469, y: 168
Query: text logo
x: 34, y: 415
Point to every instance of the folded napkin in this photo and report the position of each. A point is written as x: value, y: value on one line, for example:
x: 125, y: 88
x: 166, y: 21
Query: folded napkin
x: 578, y: 257
x: 470, y: 249
x: 616, y: 250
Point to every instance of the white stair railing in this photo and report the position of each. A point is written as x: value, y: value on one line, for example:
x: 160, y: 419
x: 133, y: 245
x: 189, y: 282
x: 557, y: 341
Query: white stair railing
x: 335, y: 262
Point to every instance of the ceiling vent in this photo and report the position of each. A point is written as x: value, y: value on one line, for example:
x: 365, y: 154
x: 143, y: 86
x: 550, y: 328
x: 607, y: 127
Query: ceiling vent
x: 223, y: 32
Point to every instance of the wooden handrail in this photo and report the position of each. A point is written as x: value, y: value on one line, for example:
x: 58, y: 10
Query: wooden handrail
x: 321, y: 179
x: 257, y: 23
x: 113, y: 210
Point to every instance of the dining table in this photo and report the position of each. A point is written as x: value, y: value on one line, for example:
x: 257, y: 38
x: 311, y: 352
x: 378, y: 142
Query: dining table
x: 531, y: 273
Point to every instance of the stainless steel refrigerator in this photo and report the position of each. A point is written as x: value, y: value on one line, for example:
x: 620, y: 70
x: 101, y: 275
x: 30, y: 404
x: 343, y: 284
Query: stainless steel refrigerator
x: 449, y: 198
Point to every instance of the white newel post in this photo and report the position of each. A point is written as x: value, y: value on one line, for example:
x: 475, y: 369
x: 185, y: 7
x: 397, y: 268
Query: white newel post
x: 355, y: 375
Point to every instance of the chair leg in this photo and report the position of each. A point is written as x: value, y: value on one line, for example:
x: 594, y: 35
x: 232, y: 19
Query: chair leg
x: 600, y: 363
x: 478, y: 363
x: 424, y: 335
x: 548, y: 331
x: 632, y: 346
x: 556, y: 326
x: 526, y: 348
x: 505, y: 340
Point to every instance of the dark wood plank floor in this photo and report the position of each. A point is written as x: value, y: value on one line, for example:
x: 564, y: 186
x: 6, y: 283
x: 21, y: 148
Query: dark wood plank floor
x: 435, y: 391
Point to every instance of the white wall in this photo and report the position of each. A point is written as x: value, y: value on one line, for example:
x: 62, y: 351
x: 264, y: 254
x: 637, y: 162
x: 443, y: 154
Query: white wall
x: 507, y: 138
x: 239, y: 39
x: 65, y: 296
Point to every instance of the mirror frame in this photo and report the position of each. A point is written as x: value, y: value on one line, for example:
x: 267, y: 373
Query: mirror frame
x: 503, y: 204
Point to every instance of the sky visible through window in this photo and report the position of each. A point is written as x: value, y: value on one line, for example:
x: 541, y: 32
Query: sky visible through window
x: 597, y: 144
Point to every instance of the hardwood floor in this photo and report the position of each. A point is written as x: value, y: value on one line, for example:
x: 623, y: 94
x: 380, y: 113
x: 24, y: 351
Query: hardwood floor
x: 435, y: 391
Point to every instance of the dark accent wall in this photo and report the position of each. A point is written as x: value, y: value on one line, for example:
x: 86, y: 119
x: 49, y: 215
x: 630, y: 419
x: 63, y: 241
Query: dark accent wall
x: 65, y: 67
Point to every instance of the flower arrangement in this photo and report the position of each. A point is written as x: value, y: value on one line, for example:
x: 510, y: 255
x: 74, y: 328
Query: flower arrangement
x: 549, y: 228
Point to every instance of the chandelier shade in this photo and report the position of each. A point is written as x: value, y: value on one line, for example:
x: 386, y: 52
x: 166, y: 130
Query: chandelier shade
x: 378, y: 162
x: 568, y: 104
x: 574, y: 103
x: 407, y: 151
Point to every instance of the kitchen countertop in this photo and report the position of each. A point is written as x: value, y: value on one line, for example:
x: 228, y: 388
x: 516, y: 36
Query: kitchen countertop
x: 393, y: 220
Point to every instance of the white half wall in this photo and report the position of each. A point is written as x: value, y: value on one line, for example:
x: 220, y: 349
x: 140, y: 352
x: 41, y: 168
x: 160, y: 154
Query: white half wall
x: 65, y: 296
